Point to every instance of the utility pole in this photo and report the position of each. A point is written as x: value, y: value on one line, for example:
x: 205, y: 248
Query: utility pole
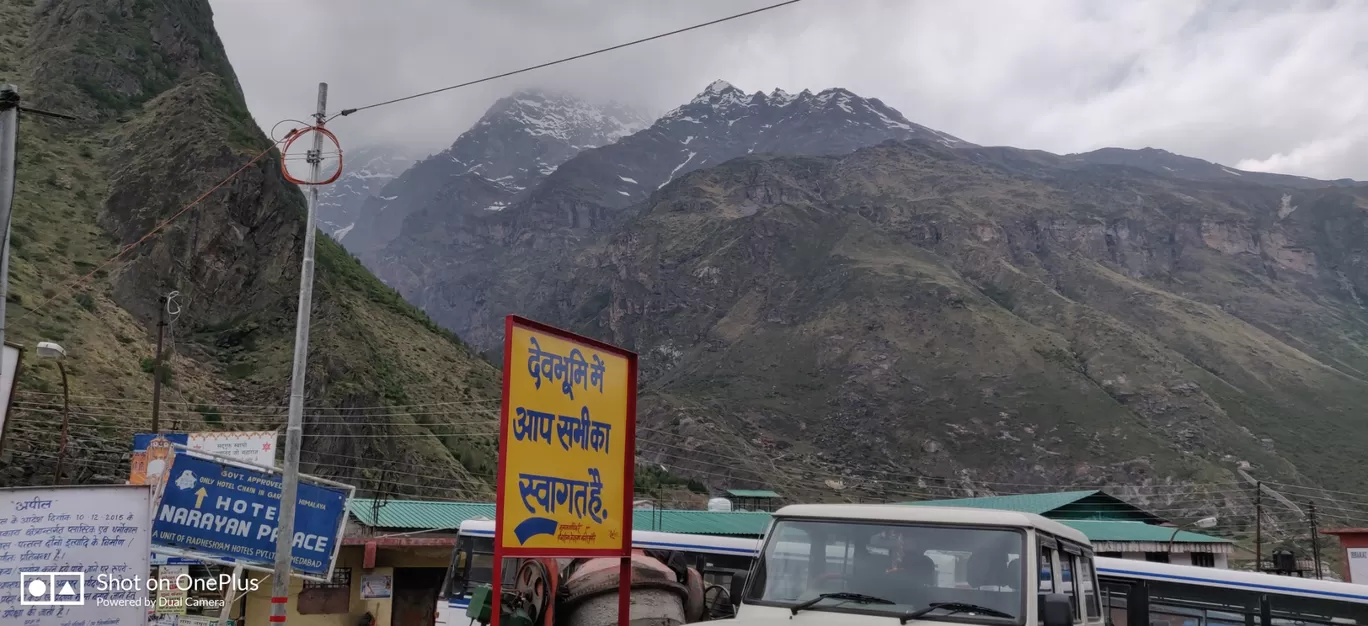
x: 9, y: 137
x: 66, y: 423
x: 294, y: 432
x: 1258, y: 527
x: 157, y: 369
x: 1315, y: 541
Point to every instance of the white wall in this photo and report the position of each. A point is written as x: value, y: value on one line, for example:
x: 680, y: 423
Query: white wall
x: 1181, y: 558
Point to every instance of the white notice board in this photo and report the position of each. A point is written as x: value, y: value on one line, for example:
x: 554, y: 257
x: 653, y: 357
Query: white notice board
x: 1358, y: 565
x: 65, y: 552
x: 257, y: 447
x: 9, y: 369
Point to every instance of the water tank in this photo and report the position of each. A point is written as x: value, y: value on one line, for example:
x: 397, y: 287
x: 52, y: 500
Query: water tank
x: 719, y: 505
x: 1284, y: 561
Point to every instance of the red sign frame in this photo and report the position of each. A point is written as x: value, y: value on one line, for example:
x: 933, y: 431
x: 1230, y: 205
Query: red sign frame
x: 624, y: 552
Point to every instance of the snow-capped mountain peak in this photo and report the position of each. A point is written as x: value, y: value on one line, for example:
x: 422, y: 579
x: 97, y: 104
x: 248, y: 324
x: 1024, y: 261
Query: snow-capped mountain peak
x: 779, y: 97
x: 564, y: 117
x: 716, y: 89
x: 721, y: 103
x: 519, y: 140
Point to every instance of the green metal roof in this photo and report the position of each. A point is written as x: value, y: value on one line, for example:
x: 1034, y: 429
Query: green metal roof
x: 419, y: 513
x: 1038, y: 503
x: 1107, y: 530
x: 430, y: 515
x: 1068, y: 505
x: 752, y: 493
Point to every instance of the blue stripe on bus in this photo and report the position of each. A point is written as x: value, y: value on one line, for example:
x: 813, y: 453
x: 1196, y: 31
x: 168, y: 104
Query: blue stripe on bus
x: 1231, y: 583
x: 686, y: 546
x: 656, y: 544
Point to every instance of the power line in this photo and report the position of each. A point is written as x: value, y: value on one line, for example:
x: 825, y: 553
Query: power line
x: 568, y: 59
x: 729, y: 462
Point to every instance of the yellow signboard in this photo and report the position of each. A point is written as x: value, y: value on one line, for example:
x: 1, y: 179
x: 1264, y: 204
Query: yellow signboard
x: 566, y: 445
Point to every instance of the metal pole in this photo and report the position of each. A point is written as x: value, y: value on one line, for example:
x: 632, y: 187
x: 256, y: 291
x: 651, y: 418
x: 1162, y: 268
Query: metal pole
x: 1258, y: 527
x: 9, y: 136
x: 1315, y: 541
x: 157, y: 369
x: 1172, y: 537
x: 66, y: 420
x: 228, y: 599
x: 294, y: 432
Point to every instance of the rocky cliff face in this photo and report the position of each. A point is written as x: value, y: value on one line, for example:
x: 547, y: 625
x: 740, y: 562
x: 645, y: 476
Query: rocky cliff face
x: 467, y: 267
x: 920, y: 310
x: 162, y: 121
x: 366, y: 172
x: 519, y: 141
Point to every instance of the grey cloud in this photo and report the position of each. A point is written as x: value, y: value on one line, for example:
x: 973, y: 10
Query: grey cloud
x: 1272, y: 86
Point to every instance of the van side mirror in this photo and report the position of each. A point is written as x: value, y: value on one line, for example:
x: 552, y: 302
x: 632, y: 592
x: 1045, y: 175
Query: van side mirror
x: 738, y: 587
x: 1056, y: 610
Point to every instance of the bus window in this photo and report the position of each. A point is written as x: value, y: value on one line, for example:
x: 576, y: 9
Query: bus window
x: 1087, y: 587
x: 1223, y: 618
x: 1114, y: 600
x: 1169, y: 615
x: 481, y: 569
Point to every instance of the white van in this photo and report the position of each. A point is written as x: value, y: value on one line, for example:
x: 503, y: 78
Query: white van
x: 875, y: 564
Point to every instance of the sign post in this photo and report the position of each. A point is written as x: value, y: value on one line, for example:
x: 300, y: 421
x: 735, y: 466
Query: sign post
x: 567, y: 448
x: 227, y: 512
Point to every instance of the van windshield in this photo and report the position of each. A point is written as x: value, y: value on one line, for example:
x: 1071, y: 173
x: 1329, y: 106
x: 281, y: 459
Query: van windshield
x: 894, y: 568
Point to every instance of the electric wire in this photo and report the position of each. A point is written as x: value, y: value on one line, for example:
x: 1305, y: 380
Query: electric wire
x: 576, y: 57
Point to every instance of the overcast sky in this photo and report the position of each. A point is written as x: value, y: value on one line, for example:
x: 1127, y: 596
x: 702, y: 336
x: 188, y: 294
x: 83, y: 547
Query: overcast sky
x: 1268, y: 85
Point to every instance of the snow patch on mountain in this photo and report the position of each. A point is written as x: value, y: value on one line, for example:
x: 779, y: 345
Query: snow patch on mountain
x: 364, y: 173
x: 723, y: 103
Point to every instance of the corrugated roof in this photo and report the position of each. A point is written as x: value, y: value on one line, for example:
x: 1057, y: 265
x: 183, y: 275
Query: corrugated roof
x: 419, y: 513
x: 752, y: 493
x: 430, y: 515
x: 1038, y: 503
x: 1136, y: 531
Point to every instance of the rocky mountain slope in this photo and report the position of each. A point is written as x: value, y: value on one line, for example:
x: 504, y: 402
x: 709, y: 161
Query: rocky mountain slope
x: 366, y: 171
x: 518, y: 141
x: 889, y: 304
x: 917, y: 309
x: 461, y: 264
x: 162, y: 120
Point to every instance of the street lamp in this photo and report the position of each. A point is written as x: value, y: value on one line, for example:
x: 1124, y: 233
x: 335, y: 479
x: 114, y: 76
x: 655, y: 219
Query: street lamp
x: 1205, y: 522
x: 49, y: 350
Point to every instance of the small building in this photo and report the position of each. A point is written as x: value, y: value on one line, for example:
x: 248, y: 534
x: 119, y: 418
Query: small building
x: 754, y: 499
x: 1354, y: 541
x: 391, y: 564
x: 1116, y: 528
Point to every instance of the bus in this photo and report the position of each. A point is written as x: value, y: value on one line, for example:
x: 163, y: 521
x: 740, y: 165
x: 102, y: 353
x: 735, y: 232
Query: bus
x: 717, y: 558
x: 1141, y: 593
x: 884, y: 564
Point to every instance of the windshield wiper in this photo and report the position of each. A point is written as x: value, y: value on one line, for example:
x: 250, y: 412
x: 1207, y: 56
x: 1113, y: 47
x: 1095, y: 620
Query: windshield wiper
x: 840, y: 595
x: 954, y: 607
